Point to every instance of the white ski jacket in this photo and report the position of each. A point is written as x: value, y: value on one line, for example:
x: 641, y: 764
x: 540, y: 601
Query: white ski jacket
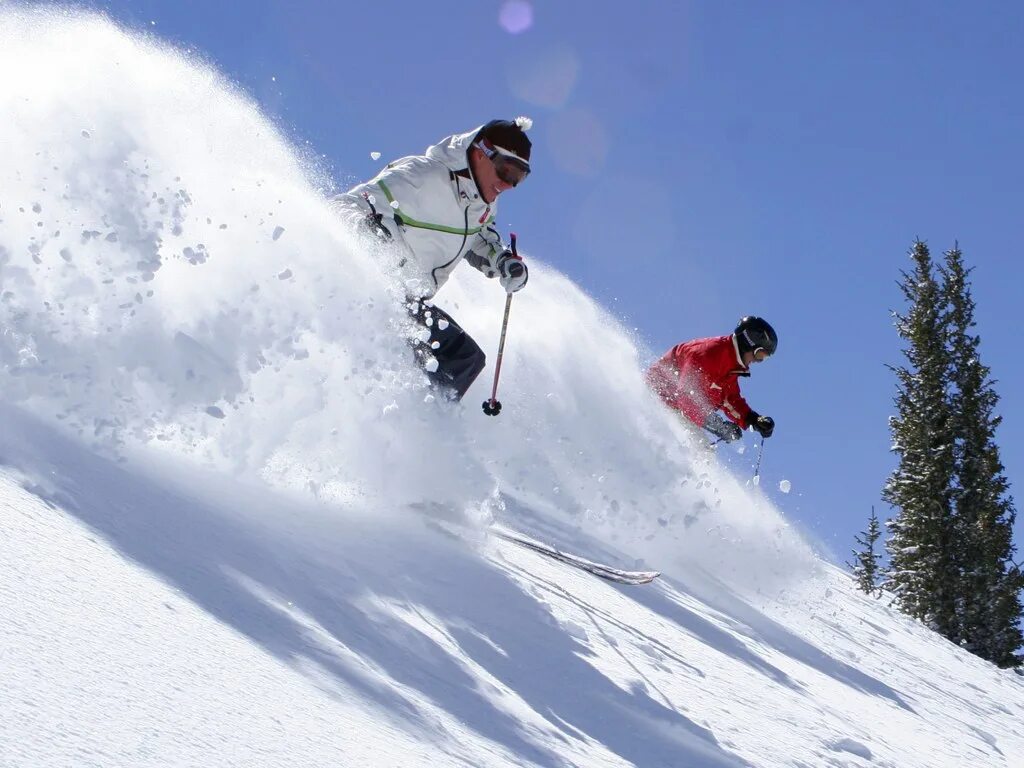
x: 431, y: 206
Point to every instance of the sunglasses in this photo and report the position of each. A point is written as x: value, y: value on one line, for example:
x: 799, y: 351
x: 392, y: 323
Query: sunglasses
x: 509, y: 168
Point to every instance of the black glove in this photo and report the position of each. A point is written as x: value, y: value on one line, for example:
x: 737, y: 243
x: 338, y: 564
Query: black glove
x: 763, y: 425
x: 721, y: 428
x: 373, y: 223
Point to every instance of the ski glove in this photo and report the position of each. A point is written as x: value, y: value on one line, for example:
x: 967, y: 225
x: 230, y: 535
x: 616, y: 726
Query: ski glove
x: 512, y: 271
x: 373, y: 223
x: 722, y: 429
x: 763, y: 425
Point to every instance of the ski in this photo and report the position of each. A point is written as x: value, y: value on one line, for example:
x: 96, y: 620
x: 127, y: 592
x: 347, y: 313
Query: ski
x: 597, y: 569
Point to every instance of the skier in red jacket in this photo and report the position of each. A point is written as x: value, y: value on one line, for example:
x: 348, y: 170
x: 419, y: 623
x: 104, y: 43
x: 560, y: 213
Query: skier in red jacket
x: 700, y: 377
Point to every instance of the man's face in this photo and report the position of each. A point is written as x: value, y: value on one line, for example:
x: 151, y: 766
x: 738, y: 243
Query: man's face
x: 757, y: 356
x: 493, y: 174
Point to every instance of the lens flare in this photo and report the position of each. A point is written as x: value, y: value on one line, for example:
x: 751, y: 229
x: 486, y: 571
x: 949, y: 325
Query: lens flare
x: 516, y: 16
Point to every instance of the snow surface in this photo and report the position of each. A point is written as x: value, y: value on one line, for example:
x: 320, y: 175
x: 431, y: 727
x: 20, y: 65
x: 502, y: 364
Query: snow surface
x: 239, y: 530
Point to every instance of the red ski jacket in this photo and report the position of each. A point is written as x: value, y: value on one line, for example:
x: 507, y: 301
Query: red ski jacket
x: 700, y: 377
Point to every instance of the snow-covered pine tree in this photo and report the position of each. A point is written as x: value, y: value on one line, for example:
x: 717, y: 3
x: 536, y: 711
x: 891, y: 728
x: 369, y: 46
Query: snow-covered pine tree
x: 989, y: 593
x: 923, y: 572
x: 865, y: 565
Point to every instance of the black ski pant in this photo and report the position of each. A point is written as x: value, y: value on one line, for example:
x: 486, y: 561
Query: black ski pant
x: 459, y: 359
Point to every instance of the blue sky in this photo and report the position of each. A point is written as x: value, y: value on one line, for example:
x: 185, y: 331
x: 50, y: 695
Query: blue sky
x: 695, y: 162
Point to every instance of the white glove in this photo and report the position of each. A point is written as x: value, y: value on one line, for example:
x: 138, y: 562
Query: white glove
x: 512, y: 271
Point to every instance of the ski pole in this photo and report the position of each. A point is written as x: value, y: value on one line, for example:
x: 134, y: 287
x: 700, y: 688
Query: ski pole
x: 492, y: 407
x: 757, y: 467
x: 715, y: 442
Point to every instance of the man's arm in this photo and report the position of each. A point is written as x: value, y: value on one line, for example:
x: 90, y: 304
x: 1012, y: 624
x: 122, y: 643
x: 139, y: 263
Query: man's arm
x: 734, y: 406
x: 484, y: 251
x: 367, y: 209
x: 489, y: 255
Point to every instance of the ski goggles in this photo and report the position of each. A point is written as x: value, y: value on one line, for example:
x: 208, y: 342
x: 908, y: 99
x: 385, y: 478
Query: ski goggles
x: 510, y: 168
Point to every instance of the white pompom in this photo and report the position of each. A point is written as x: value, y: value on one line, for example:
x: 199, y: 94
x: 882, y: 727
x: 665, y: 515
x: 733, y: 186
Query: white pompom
x: 524, y: 123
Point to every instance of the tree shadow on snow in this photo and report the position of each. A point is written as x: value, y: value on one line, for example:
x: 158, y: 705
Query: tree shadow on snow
x: 755, y: 624
x: 748, y: 620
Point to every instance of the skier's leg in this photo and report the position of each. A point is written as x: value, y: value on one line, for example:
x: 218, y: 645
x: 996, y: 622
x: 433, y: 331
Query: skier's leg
x: 459, y: 359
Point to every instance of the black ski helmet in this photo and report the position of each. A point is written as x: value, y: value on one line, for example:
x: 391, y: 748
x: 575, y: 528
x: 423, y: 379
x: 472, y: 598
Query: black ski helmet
x: 509, y: 137
x: 754, y: 333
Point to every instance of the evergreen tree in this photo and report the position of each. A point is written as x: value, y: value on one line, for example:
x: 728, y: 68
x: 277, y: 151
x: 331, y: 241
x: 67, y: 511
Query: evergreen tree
x: 989, y: 593
x: 866, y: 569
x: 923, y: 572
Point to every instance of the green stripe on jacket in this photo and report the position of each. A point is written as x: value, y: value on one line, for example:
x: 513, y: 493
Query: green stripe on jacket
x: 411, y: 222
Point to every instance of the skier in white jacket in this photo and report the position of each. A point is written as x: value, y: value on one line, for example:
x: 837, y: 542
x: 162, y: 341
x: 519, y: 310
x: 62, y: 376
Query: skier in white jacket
x: 430, y: 212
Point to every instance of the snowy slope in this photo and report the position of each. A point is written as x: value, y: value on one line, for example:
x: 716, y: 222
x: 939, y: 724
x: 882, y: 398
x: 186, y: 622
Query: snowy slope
x: 238, y: 530
x: 146, y: 625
